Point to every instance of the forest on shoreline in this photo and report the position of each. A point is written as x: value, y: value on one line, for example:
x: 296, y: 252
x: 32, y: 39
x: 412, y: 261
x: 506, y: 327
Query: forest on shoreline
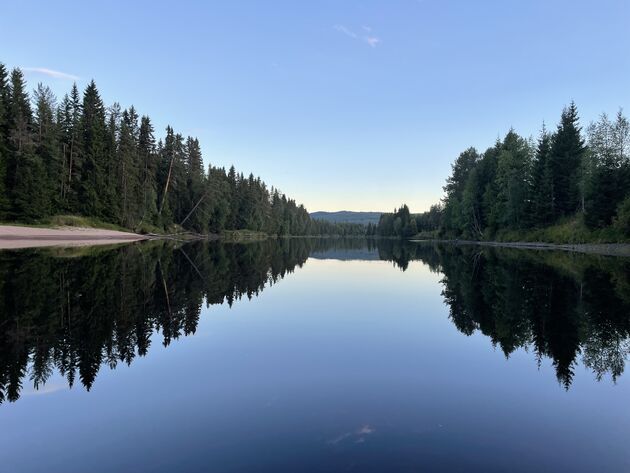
x: 568, y: 186
x: 79, y: 157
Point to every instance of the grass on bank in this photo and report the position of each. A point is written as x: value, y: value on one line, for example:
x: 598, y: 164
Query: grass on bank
x: 80, y: 221
x: 570, y: 231
x: 68, y: 221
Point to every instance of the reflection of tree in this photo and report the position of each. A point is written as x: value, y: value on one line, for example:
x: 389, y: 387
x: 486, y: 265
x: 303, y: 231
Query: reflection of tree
x: 557, y: 305
x: 74, y: 314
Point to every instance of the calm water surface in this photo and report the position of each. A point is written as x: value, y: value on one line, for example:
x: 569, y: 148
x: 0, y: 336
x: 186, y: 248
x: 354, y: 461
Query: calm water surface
x: 306, y: 355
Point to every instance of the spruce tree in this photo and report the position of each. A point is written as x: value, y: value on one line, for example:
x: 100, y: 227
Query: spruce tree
x: 196, y: 185
x: 92, y: 181
x: 70, y: 112
x: 167, y: 158
x: 233, y: 196
x: 128, y: 170
x: 541, y: 191
x: 26, y: 174
x: 567, y: 152
x: 47, y: 147
x: 112, y: 196
x: 148, y: 160
x: 4, y: 140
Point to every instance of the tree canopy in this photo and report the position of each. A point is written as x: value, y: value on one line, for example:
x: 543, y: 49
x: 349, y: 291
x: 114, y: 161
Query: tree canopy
x: 521, y: 185
x: 78, y: 156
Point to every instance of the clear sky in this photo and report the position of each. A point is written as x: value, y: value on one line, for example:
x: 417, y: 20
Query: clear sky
x: 343, y: 105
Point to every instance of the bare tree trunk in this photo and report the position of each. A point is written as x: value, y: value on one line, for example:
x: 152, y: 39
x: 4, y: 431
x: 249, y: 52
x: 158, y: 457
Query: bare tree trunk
x: 71, y: 157
x: 124, y: 183
x: 63, y: 173
x: 193, y: 209
x: 168, y: 179
x: 168, y: 301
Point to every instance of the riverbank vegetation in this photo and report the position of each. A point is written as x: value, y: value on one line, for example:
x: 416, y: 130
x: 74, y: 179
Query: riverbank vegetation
x: 77, y: 157
x: 568, y: 186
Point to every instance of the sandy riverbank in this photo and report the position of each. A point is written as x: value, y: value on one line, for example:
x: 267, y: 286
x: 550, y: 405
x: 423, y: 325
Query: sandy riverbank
x: 14, y: 237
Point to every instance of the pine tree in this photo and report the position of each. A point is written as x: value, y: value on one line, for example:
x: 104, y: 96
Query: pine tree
x: 232, y: 220
x: 128, y: 170
x: 148, y: 161
x: 179, y: 195
x: 218, y: 205
x: 112, y: 196
x: 166, y: 152
x: 196, y: 185
x: 47, y: 147
x: 567, y: 152
x: 4, y: 140
x: 93, y: 128
x: 25, y: 169
x: 78, y: 158
x: 70, y: 115
x: 541, y: 192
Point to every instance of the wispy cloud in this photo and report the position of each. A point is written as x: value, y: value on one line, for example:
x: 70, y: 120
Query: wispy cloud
x: 51, y: 73
x: 346, y: 31
x: 372, y: 40
x: 368, y: 39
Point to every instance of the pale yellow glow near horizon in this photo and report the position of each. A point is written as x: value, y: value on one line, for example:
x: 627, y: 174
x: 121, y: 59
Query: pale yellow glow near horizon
x: 320, y: 203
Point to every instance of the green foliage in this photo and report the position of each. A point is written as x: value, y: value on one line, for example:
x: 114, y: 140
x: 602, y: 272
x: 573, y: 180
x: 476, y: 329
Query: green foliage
x: 402, y: 224
x: 541, y: 191
x: 4, y: 139
x: 81, y: 158
x: 609, y: 167
x: 562, y: 191
x: 513, y: 168
x: 567, y: 152
x: 622, y: 220
x: 77, y: 221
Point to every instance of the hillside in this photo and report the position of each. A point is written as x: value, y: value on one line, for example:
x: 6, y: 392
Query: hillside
x: 346, y: 216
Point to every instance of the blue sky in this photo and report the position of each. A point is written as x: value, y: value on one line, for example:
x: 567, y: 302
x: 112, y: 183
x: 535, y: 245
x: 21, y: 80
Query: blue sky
x: 357, y: 105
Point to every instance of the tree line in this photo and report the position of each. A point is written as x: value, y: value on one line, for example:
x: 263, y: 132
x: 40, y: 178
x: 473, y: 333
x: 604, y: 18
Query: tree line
x: 571, y: 177
x: 78, y: 157
x: 401, y: 223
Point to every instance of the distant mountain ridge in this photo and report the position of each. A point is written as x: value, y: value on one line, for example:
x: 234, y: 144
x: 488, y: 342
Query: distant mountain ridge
x: 346, y: 216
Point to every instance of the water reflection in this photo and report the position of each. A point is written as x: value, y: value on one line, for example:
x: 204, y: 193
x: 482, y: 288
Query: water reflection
x: 74, y: 311
x: 561, y: 306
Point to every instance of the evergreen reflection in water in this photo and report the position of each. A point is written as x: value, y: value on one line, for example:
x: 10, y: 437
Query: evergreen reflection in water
x: 76, y: 310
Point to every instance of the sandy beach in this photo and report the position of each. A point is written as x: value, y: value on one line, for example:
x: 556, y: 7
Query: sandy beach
x: 15, y: 237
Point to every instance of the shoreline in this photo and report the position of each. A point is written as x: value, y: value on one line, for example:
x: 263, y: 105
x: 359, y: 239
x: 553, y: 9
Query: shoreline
x: 13, y: 237
x: 21, y: 237
x: 602, y: 249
